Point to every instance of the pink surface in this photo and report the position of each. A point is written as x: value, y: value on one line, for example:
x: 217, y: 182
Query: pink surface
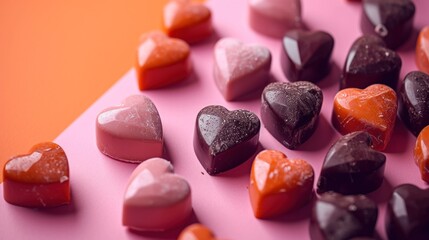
x: 221, y: 203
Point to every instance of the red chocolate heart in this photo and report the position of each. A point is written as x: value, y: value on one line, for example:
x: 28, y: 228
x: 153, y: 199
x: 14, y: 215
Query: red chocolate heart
x: 38, y: 179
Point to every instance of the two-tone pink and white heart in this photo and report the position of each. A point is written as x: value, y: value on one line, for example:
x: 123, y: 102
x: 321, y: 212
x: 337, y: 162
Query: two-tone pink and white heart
x: 240, y: 68
x: 156, y: 198
x: 130, y: 132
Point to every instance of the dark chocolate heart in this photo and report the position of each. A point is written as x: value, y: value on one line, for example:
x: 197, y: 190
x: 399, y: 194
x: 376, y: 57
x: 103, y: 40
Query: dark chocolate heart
x: 369, y: 62
x: 413, y: 108
x: 224, y: 139
x: 351, y: 166
x: 290, y: 111
x: 339, y: 217
x: 306, y: 54
x: 407, y: 214
x: 391, y: 20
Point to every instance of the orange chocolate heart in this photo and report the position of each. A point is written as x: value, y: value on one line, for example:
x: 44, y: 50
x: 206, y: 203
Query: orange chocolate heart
x: 372, y: 109
x: 279, y: 184
x: 187, y: 20
x: 421, y: 153
x: 38, y: 179
x: 196, y: 232
x: 161, y: 61
x: 422, y: 50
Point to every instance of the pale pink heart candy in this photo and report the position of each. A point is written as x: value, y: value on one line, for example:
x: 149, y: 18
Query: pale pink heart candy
x: 130, y: 132
x: 239, y: 68
x: 274, y: 17
x: 156, y: 199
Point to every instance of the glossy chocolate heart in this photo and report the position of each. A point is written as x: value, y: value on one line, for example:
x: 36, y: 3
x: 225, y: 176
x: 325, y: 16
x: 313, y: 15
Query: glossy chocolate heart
x: 240, y: 68
x: 339, y: 217
x: 162, y: 61
x: 196, y: 231
x: 224, y: 139
x: 372, y: 109
x: 413, y: 99
x: 38, y: 179
x: 156, y: 198
x: 421, y: 154
x: 290, y: 111
x: 306, y: 54
x: 407, y: 214
x: 422, y: 50
x: 187, y: 20
x: 351, y: 166
x: 279, y: 184
x: 369, y: 62
x: 274, y: 17
x: 130, y: 132
x: 391, y: 20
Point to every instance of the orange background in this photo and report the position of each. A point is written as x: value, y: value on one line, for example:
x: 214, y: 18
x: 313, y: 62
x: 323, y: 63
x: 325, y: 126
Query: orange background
x: 58, y: 57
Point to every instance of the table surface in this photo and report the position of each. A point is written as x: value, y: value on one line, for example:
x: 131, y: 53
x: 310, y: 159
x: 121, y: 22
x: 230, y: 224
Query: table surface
x: 221, y: 202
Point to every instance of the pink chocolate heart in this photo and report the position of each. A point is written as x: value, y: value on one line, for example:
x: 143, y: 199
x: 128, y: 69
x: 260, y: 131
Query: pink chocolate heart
x: 130, y: 132
x: 155, y: 198
x: 239, y: 68
x: 274, y: 17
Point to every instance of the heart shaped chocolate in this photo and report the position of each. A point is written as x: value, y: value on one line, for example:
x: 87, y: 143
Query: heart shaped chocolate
x: 306, y: 54
x: 369, y: 62
x: 155, y: 198
x: 162, y: 61
x: 407, y: 214
x: 279, y: 184
x: 196, y: 232
x: 335, y: 216
x: 290, y: 111
x: 351, y: 166
x: 130, y: 132
x: 240, y: 69
x: 274, y: 17
x: 421, y: 155
x: 38, y: 179
x: 188, y: 20
x: 391, y: 20
x: 372, y: 109
x: 225, y: 139
x: 422, y: 50
x: 413, y: 108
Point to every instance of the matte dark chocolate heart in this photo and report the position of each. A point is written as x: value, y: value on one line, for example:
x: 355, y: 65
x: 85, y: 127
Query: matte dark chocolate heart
x: 352, y: 166
x: 407, y: 214
x: 369, y: 62
x: 306, y: 54
x: 339, y: 217
x: 391, y: 20
x: 413, y: 108
x: 290, y: 111
x: 224, y: 139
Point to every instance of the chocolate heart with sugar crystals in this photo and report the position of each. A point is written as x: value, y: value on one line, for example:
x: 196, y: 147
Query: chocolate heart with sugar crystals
x: 156, y: 198
x: 391, y: 20
x: 351, y: 166
x: 369, y: 62
x: 339, y: 217
x: 224, y: 139
x: 239, y: 68
x: 306, y: 54
x: 290, y: 111
x: 130, y: 132
x: 413, y: 98
x: 407, y: 214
